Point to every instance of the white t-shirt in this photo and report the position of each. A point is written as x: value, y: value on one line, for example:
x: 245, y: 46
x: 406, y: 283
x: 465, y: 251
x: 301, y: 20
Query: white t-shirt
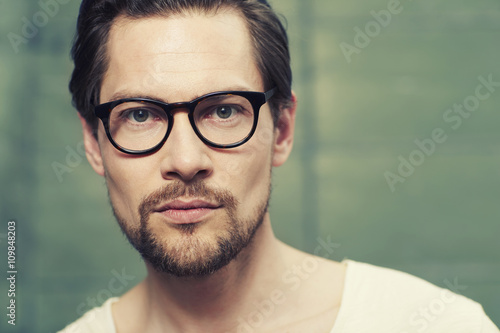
x: 374, y: 300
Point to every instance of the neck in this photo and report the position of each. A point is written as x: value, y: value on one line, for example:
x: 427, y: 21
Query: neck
x: 191, y: 304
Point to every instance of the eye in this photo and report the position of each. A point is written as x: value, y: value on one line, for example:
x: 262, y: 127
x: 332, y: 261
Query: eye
x: 224, y: 111
x: 139, y: 115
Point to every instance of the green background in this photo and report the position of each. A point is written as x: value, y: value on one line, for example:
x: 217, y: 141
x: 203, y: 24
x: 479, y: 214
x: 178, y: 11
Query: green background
x: 355, y: 119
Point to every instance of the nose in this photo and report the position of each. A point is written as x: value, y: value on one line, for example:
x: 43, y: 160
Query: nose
x: 184, y: 156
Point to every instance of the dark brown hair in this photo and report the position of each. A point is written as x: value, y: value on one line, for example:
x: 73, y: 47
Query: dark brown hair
x: 96, y: 17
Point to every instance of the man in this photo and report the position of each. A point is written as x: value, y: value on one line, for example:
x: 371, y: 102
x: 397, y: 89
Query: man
x: 186, y: 106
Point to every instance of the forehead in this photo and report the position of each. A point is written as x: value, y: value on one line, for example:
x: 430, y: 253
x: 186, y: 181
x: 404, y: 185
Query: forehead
x: 180, y: 57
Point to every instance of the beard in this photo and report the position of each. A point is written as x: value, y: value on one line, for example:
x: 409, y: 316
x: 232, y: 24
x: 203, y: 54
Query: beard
x: 192, y: 254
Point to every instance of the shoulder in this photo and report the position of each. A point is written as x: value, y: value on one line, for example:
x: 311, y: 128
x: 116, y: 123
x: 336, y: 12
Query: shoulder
x: 96, y: 320
x: 382, y: 298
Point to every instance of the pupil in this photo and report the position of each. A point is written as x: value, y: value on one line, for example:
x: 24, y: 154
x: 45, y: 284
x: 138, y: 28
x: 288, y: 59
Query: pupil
x: 140, y: 115
x: 224, y: 112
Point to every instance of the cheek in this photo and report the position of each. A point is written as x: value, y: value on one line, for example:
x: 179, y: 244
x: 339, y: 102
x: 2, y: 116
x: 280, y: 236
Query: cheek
x: 123, y: 193
x: 247, y: 172
x: 126, y: 179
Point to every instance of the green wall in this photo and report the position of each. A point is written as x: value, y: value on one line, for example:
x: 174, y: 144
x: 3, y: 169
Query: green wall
x: 362, y: 107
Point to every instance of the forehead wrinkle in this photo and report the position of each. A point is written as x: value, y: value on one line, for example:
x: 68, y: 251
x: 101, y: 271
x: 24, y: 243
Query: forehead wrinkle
x: 124, y: 94
x: 176, y: 37
x: 176, y: 65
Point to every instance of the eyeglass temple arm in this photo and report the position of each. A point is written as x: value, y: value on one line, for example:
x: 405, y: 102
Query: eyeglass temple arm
x: 270, y: 93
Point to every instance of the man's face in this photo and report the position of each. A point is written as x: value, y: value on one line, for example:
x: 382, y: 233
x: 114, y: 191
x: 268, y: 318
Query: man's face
x: 188, y: 208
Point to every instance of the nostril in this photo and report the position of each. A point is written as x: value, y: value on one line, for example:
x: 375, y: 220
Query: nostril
x: 185, y: 176
x: 186, y: 163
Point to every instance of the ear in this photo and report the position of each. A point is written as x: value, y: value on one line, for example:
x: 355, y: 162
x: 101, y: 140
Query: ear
x: 284, y: 133
x: 92, y: 149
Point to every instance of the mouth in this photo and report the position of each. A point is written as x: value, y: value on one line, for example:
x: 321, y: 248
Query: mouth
x: 187, y: 212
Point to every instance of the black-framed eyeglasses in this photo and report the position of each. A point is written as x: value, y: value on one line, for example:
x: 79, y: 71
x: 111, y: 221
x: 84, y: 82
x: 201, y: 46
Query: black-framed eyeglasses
x: 225, y: 119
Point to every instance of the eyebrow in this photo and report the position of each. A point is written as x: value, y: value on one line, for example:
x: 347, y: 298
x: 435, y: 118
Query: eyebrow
x: 125, y: 94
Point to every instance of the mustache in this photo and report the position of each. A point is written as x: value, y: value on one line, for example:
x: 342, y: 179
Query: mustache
x: 178, y: 189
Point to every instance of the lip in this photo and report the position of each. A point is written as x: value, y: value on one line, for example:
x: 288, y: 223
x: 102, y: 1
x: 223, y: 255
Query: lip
x: 186, y: 212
